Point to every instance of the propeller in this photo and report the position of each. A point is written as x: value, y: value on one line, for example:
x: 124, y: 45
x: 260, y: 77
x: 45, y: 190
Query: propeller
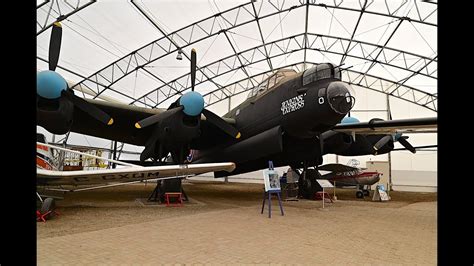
x: 221, y: 124
x: 403, y: 140
x: 55, y: 45
x: 381, y: 143
x: 193, y: 68
x: 192, y: 104
x: 51, y: 85
x: 88, y: 108
x: 156, y: 118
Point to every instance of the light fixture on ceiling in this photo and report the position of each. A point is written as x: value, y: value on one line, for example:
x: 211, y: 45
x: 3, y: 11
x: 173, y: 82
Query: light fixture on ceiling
x: 180, y: 55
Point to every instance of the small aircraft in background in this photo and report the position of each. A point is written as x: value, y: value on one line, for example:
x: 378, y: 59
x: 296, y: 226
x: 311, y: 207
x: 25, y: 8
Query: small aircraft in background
x: 350, y: 176
x: 49, y: 177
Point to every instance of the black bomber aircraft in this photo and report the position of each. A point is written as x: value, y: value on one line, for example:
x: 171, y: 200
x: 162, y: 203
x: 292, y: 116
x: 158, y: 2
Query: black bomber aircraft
x: 289, y: 118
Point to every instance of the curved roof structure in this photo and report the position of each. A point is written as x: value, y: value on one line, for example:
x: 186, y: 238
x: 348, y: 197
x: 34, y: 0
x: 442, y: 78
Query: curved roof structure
x: 127, y: 50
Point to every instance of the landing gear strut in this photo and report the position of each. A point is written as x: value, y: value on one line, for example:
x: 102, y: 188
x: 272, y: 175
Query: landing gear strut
x: 168, y: 185
x: 362, y: 191
x: 307, y: 185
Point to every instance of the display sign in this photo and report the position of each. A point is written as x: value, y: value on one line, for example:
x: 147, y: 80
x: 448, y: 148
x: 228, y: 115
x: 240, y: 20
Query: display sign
x: 380, y: 194
x: 272, y: 180
x: 324, y: 183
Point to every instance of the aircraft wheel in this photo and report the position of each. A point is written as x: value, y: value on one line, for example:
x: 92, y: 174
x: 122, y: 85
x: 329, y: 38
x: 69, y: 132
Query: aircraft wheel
x: 307, y: 188
x: 359, y: 194
x: 48, y: 205
x: 366, y: 192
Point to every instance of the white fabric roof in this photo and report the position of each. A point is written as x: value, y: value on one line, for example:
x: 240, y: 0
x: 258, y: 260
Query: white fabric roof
x: 106, y: 31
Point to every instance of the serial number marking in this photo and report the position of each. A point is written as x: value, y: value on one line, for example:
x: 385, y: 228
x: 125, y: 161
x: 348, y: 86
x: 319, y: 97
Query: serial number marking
x: 119, y: 176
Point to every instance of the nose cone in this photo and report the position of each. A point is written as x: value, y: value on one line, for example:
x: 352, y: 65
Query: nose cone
x: 340, y: 97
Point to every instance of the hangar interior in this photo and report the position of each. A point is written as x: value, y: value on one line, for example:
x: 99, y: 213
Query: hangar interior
x: 138, y: 53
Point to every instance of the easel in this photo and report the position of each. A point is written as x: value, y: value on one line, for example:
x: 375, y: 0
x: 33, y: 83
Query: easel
x: 269, y: 193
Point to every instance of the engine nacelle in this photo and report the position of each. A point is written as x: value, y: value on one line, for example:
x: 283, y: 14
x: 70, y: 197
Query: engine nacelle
x: 55, y: 115
x: 364, y: 145
x: 266, y: 143
x: 337, y: 143
x: 178, y: 128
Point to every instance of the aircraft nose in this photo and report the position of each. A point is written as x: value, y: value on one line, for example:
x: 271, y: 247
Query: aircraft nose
x: 340, y: 97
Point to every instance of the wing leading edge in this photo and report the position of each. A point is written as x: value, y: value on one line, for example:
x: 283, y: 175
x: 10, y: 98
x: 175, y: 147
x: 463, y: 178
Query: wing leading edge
x: 415, y: 125
x: 87, y: 177
x: 123, y: 129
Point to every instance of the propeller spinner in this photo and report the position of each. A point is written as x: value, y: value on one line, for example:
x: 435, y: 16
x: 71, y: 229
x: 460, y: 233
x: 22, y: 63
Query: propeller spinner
x: 51, y: 85
x: 192, y: 104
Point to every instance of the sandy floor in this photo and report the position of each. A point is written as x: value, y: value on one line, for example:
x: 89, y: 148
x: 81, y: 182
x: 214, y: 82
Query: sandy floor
x: 222, y: 224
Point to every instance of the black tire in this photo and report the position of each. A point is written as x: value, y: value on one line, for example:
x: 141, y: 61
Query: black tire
x: 48, y: 205
x: 366, y: 192
x: 308, y: 187
x: 359, y: 194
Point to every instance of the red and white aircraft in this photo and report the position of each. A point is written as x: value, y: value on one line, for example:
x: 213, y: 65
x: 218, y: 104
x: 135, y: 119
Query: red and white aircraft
x: 351, y: 176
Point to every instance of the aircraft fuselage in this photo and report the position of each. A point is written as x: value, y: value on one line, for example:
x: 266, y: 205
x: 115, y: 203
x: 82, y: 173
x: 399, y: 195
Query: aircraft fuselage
x: 282, y: 123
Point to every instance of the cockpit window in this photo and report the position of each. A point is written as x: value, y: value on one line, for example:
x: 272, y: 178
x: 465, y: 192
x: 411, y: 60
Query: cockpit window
x: 270, y: 82
x: 319, y: 72
x: 337, y: 73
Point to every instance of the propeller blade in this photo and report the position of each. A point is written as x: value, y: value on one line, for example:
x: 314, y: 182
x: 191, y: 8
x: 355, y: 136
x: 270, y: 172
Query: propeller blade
x: 406, y: 144
x: 150, y: 145
x: 156, y: 118
x: 382, y: 142
x: 55, y: 45
x: 193, y: 68
x: 389, y: 110
x: 89, y: 108
x: 220, y: 123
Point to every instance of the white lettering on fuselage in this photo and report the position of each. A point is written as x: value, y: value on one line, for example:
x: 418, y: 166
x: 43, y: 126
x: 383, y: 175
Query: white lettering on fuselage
x: 292, y: 104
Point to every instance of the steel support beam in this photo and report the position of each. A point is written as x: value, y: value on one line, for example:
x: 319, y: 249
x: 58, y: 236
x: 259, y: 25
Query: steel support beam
x: 261, y: 36
x: 62, y: 15
x: 242, y: 15
x: 306, y: 32
x: 353, y: 33
x: 294, y: 45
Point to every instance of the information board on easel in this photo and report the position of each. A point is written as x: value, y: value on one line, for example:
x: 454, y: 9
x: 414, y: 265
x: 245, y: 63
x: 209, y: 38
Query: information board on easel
x: 272, y: 186
x: 272, y: 180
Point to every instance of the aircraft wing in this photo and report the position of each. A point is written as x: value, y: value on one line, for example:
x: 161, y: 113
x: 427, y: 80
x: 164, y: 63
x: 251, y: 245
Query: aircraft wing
x: 336, y: 167
x: 415, y: 125
x: 123, y: 129
x: 103, y: 176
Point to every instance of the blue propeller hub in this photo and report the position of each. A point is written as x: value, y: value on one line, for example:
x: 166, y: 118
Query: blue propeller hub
x: 397, y: 136
x: 193, y: 103
x: 349, y: 120
x: 50, y: 84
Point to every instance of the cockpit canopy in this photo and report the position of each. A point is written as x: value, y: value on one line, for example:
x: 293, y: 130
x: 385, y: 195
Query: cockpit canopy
x: 320, y: 72
x: 270, y: 82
